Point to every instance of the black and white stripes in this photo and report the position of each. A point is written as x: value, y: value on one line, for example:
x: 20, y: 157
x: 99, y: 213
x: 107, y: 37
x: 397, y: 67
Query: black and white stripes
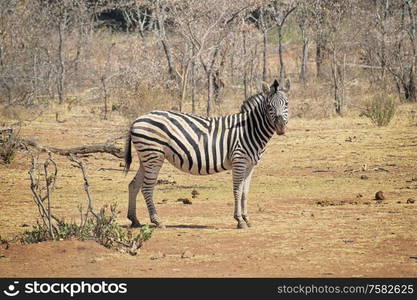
x: 203, y: 146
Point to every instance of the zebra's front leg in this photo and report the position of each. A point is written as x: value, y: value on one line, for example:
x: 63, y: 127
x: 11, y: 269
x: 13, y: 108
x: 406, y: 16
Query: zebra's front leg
x: 134, y: 187
x: 238, y: 171
x: 152, y: 168
x: 245, y: 193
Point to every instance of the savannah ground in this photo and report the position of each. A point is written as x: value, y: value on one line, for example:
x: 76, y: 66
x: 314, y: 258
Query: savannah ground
x: 313, y: 215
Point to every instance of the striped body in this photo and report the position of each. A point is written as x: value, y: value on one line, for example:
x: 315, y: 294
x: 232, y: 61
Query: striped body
x: 197, y: 145
x: 203, y: 146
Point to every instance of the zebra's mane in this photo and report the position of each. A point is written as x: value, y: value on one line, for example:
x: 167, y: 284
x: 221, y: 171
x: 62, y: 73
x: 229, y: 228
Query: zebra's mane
x: 252, y: 102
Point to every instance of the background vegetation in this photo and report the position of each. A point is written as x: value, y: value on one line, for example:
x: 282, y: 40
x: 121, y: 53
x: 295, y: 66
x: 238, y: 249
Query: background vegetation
x: 135, y: 55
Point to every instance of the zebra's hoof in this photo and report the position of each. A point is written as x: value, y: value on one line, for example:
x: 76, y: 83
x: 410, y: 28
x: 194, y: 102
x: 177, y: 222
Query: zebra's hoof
x: 242, y: 225
x: 162, y: 226
x: 135, y: 225
x: 249, y: 223
x: 135, y: 222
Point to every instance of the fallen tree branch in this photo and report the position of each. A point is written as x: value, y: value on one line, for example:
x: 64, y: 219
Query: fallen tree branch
x: 80, y: 150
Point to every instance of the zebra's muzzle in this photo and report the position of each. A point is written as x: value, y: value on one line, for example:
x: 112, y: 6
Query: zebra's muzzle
x: 280, y: 130
x: 280, y: 126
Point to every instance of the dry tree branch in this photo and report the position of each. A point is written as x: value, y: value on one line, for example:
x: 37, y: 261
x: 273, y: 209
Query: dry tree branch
x: 80, y: 164
x: 50, y: 184
x: 44, y: 212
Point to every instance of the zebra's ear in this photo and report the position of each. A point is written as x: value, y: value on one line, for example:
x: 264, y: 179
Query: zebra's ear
x: 287, y: 85
x: 265, y: 88
x: 274, y: 86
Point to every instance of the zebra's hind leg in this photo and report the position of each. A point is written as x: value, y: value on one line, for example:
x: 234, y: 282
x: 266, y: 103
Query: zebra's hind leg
x: 151, y: 167
x: 134, y: 187
x: 245, y: 193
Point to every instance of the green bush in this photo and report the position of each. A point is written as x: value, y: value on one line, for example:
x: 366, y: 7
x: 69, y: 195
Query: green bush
x: 102, y: 228
x: 380, y: 110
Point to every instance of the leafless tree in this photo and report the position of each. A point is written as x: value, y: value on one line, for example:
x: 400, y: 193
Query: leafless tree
x: 389, y: 45
x: 282, y: 9
x: 206, y: 27
x: 263, y: 18
x: 161, y: 16
x: 303, y: 20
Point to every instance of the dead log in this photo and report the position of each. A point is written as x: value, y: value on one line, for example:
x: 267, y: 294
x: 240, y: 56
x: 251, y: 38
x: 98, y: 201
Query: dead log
x: 80, y: 150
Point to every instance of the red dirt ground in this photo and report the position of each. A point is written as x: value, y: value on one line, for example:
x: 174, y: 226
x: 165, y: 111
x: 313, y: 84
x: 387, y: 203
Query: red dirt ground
x: 313, y: 216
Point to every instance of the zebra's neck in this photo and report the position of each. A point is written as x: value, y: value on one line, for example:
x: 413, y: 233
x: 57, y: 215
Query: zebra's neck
x: 263, y: 126
x: 256, y: 131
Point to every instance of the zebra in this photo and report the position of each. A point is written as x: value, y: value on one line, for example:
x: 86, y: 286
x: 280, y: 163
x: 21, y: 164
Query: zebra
x: 205, y: 145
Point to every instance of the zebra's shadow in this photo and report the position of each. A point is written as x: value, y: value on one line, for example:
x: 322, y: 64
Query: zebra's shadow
x: 190, y: 226
x: 180, y: 226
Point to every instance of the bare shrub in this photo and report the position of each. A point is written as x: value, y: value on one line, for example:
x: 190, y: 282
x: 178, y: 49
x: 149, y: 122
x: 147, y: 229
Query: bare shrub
x: 101, y: 227
x: 9, y: 145
x: 380, y: 109
x: 412, y: 117
x: 311, y: 102
x: 136, y: 103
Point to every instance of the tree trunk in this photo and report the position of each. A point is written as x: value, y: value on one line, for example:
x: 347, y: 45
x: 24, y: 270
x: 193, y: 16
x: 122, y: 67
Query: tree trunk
x: 410, y: 88
x: 184, y: 84
x: 413, y: 69
x: 164, y: 41
x: 209, y: 92
x: 103, y: 85
x: 304, y: 59
x: 338, y: 85
x: 264, y: 43
x: 282, y: 74
x: 193, y: 83
x: 319, y: 58
x: 264, y: 55
x: 61, y: 65
x: 245, y: 75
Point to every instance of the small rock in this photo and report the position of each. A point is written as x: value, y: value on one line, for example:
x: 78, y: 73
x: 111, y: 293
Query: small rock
x: 185, y: 200
x: 187, y: 254
x: 364, y: 177
x: 359, y: 196
x: 379, y: 195
x: 195, y: 193
x: 158, y: 255
x: 410, y: 201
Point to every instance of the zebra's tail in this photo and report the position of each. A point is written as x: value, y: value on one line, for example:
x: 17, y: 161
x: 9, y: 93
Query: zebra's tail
x: 128, y: 152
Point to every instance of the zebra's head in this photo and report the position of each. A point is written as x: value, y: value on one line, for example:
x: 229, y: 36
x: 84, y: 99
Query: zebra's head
x: 277, y: 105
